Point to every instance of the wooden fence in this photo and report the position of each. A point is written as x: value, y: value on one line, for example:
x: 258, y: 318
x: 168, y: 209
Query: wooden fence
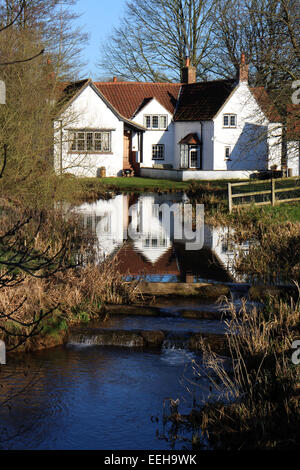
x: 270, y: 188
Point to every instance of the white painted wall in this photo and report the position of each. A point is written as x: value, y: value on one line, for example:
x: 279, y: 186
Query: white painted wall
x: 186, y: 175
x: 88, y: 111
x: 248, y: 141
x: 274, y: 144
x: 293, y: 157
x: 164, y: 137
x: 208, y: 145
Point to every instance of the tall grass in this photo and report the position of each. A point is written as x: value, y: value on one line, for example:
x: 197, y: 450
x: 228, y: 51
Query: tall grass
x: 256, y: 404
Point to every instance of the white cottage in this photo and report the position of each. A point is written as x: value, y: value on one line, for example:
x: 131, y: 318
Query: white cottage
x: 181, y: 131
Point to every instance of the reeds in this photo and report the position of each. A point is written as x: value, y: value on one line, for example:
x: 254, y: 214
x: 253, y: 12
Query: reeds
x: 256, y: 400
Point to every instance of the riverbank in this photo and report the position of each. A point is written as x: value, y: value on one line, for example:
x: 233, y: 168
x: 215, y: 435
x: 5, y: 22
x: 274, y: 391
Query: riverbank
x: 78, y: 190
x: 97, y: 293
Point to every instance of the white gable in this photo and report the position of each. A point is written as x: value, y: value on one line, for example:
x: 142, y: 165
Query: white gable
x: 248, y: 140
x: 88, y: 111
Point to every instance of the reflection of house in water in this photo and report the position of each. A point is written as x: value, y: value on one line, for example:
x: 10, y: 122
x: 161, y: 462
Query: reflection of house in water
x: 134, y: 230
x: 149, y: 236
x: 108, y: 219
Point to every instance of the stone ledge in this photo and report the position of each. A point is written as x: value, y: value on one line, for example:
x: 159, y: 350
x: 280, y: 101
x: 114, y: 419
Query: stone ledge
x: 161, y: 289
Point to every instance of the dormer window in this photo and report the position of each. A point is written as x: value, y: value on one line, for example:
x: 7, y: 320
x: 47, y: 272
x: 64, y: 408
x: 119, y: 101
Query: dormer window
x: 229, y: 120
x: 156, y: 121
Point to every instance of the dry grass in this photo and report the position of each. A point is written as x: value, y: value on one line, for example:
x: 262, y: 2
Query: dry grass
x: 255, y: 403
x: 75, y: 295
x: 273, y: 252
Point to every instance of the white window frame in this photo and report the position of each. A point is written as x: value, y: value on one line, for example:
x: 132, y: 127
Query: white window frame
x: 230, y: 116
x: 99, y: 139
x: 151, y: 119
x: 160, y: 149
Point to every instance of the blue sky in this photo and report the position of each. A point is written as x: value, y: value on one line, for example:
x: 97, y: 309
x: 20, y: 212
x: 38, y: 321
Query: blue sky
x: 98, y: 18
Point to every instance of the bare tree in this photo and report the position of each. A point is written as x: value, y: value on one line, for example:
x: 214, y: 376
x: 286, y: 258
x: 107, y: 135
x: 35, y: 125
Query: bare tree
x: 155, y: 37
x: 26, y: 129
x: 50, y: 23
x: 267, y: 31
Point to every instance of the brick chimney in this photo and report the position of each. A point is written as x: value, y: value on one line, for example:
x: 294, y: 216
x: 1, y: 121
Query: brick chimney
x: 188, y: 72
x: 244, y: 69
x: 115, y: 79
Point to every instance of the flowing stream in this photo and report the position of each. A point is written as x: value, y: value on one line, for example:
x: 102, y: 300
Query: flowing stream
x: 89, y: 394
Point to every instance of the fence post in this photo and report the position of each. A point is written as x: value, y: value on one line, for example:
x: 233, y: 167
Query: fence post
x: 229, y: 198
x: 273, y: 194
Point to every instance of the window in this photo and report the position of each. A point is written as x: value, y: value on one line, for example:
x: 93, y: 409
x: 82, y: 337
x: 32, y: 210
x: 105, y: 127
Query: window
x: 229, y: 120
x: 156, y: 121
x: 158, y: 152
x: 154, y: 241
x: 227, y: 153
x: 90, y: 141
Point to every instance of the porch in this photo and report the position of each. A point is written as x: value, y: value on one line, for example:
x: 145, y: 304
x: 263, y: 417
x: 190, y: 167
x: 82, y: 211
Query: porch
x: 132, y: 150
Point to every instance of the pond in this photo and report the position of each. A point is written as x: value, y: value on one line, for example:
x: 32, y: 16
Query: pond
x: 150, y: 244
x: 85, y: 395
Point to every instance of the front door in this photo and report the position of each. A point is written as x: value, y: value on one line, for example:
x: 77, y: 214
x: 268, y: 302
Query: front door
x: 127, y: 149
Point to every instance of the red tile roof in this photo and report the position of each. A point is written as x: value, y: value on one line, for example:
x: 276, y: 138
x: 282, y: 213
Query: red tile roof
x: 191, y: 139
x: 67, y: 90
x: 128, y: 97
x: 131, y: 262
x: 195, y: 102
x: 202, y: 101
